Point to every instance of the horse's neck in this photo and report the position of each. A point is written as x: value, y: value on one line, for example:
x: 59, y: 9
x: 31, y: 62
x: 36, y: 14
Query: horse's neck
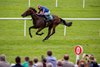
x: 34, y: 17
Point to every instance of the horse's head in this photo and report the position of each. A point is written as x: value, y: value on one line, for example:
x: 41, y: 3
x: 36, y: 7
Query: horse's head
x: 29, y: 11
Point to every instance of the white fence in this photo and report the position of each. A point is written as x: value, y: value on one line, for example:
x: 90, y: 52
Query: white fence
x: 63, y: 18
x: 56, y: 3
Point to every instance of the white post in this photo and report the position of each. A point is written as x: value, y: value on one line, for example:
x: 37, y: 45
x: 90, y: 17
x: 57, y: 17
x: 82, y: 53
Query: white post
x: 83, y: 3
x: 64, y: 30
x: 56, y: 3
x: 24, y: 28
x: 28, y: 3
x: 77, y: 58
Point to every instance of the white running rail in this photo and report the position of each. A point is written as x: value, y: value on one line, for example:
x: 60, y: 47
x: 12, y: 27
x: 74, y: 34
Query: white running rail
x: 62, y: 18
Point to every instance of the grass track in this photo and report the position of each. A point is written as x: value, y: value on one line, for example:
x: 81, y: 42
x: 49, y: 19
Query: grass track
x: 85, y: 33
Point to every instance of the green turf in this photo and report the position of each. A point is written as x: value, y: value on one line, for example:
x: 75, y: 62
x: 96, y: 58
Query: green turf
x: 85, y: 33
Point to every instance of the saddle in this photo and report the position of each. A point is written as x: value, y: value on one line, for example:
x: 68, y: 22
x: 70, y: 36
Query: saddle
x: 47, y: 18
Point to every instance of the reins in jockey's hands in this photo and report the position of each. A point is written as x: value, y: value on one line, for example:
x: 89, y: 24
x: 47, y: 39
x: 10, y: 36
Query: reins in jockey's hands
x: 45, y: 11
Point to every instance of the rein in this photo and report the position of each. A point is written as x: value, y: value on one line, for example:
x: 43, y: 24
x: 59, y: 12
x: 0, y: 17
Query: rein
x: 34, y: 14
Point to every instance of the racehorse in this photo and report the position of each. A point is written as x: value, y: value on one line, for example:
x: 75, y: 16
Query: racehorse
x: 40, y: 23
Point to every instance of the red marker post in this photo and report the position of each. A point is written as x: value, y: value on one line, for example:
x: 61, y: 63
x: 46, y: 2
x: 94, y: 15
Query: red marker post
x: 78, y: 50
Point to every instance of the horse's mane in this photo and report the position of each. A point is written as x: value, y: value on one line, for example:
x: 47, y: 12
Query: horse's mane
x: 33, y: 9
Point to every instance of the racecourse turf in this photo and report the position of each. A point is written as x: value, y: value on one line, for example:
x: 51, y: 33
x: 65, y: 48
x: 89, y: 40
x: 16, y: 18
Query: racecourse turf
x: 84, y: 33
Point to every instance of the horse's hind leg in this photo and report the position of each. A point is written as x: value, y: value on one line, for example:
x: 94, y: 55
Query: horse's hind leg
x: 48, y: 35
x: 53, y: 31
x: 30, y: 30
x: 37, y: 33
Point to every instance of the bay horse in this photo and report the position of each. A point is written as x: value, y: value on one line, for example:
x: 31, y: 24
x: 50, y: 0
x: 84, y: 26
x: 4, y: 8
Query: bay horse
x: 40, y: 23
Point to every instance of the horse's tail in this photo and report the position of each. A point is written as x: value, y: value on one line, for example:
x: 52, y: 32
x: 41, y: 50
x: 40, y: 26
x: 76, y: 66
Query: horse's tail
x: 65, y: 23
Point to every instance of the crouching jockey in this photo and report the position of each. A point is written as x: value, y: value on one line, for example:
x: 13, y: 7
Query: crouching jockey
x: 43, y: 11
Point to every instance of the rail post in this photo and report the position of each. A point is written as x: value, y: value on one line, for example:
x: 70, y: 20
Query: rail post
x: 24, y: 28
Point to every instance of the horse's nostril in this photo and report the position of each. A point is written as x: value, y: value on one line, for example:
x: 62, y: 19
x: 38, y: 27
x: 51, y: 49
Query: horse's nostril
x: 22, y: 15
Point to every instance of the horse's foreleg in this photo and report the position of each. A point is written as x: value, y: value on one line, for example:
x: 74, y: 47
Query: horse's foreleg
x: 37, y: 33
x: 30, y: 30
x: 49, y: 31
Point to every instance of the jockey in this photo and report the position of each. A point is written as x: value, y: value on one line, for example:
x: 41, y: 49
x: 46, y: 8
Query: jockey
x: 45, y: 11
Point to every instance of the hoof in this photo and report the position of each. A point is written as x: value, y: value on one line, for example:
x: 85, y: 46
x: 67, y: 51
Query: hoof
x: 42, y: 33
x: 39, y: 34
x: 31, y: 36
x: 43, y: 40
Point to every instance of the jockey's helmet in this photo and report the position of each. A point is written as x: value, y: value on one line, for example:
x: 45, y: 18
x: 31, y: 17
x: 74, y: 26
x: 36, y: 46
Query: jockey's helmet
x: 39, y: 6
